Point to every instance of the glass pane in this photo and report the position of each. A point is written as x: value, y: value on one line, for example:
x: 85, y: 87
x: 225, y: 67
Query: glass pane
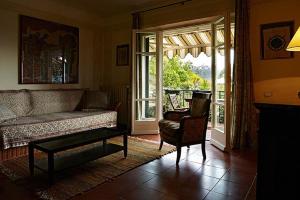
x: 146, y: 42
x: 219, y: 117
x: 145, y: 110
x: 220, y: 76
x: 146, y: 77
x: 232, y: 31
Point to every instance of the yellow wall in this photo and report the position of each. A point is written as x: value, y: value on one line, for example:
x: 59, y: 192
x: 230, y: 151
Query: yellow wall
x: 113, y: 35
x: 189, y: 11
x: 279, y: 77
x: 9, y: 36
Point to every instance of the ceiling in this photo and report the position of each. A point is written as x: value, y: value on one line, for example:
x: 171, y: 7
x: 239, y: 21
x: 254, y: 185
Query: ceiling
x: 107, y: 8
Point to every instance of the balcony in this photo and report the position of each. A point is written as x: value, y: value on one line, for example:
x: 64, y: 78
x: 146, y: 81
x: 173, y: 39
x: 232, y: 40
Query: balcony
x: 183, y: 95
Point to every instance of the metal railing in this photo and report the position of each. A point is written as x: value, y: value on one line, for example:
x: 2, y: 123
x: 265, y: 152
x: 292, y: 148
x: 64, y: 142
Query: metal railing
x: 183, y: 95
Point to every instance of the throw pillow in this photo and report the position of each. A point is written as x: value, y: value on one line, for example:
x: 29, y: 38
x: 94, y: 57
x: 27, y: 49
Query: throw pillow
x: 6, y: 113
x: 17, y: 101
x: 96, y: 99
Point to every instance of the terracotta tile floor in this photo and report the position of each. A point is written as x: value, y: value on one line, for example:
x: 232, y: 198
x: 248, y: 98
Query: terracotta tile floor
x: 220, y: 176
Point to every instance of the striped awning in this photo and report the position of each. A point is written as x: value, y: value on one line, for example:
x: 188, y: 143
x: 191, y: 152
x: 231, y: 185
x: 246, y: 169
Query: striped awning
x: 192, y: 42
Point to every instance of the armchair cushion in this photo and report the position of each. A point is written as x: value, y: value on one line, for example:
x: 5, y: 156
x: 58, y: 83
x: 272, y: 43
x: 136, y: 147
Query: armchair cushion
x: 169, y: 130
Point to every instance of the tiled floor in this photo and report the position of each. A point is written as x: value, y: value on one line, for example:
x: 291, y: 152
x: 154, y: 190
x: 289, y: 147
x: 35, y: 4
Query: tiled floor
x: 220, y: 176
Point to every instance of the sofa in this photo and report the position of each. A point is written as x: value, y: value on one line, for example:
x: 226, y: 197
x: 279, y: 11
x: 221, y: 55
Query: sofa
x: 27, y: 115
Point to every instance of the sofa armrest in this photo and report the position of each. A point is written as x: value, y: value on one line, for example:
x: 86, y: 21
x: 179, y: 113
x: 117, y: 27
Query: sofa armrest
x: 114, y: 107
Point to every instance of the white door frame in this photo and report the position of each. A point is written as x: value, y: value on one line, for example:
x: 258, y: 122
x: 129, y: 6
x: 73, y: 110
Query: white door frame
x: 147, y: 126
x: 221, y: 139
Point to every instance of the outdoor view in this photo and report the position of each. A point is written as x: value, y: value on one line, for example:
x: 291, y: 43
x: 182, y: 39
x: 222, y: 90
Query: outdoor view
x: 187, y: 67
x: 183, y: 75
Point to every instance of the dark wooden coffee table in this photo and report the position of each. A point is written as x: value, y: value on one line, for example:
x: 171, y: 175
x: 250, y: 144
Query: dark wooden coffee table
x: 74, y: 158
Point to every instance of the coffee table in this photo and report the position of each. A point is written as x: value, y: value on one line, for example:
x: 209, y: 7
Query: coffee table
x: 69, y: 159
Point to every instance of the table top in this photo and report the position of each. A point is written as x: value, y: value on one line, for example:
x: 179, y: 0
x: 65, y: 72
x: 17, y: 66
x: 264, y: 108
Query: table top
x: 69, y: 141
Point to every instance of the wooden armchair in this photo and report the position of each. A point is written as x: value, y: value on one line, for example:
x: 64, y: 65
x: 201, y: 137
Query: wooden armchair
x: 185, y: 128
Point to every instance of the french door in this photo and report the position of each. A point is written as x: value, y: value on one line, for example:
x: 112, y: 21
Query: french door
x: 146, y: 81
x: 221, y: 82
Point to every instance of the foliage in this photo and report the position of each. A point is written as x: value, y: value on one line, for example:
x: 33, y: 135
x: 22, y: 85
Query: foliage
x: 179, y: 75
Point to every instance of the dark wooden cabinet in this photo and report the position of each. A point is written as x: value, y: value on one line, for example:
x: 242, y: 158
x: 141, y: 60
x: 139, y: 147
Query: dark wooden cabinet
x: 278, y: 164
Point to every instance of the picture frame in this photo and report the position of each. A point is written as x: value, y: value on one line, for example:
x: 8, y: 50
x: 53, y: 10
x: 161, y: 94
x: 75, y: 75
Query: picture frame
x: 48, y: 52
x: 122, y: 55
x: 275, y: 37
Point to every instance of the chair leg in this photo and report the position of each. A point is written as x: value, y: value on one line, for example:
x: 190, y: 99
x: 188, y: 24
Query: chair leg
x: 203, y: 150
x: 178, y: 148
x: 188, y: 146
x: 161, y: 144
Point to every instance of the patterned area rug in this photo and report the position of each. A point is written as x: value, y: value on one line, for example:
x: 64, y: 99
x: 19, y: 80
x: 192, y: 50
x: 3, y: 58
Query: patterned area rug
x: 83, y: 178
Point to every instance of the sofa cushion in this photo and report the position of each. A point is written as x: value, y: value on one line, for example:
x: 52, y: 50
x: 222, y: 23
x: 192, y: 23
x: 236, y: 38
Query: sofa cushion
x: 6, y: 113
x: 14, y: 133
x: 17, y: 101
x: 51, y: 101
x: 96, y: 99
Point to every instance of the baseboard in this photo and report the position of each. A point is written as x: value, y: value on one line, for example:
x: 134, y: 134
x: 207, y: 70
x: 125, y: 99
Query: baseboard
x: 217, y: 144
x: 144, y: 132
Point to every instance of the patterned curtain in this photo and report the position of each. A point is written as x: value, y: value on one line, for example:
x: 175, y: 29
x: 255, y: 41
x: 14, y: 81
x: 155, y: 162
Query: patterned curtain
x: 243, y: 110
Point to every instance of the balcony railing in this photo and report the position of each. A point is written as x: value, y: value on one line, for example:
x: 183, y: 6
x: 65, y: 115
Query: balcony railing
x: 183, y: 95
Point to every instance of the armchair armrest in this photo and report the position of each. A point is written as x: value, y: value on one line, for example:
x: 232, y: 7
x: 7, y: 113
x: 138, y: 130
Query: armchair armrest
x: 193, y: 128
x: 176, y: 115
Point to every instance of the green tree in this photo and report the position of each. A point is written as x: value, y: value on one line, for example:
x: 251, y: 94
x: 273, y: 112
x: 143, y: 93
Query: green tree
x: 179, y: 75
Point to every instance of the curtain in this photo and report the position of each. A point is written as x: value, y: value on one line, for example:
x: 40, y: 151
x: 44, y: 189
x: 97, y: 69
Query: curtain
x: 136, y: 22
x: 243, y: 110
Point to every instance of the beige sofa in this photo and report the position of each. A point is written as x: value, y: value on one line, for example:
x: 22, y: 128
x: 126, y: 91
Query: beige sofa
x: 27, y: 115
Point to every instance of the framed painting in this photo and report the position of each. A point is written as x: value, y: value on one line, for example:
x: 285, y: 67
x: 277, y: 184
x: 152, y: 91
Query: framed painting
x: 275, y: 37
x: 49, y: 52
x: 123, y: 55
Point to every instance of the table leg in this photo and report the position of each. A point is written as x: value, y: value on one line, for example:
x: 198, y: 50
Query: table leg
x: 31, y: 158
x: 104, y: 145
x: 50, y: 168
x: 125, y: 144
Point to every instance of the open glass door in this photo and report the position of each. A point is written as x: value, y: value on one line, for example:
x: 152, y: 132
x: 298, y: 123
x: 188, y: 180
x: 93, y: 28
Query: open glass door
x: 146, y: 82
x: 221, y: 82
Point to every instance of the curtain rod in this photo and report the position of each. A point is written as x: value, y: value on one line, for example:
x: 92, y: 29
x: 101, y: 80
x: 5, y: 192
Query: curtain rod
x: 164, y: 6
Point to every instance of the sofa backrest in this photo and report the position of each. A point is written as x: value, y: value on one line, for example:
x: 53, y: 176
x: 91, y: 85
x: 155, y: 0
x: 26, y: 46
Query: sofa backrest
x: 17, y: 101
x: 37, y: 102
x: 50, y: 101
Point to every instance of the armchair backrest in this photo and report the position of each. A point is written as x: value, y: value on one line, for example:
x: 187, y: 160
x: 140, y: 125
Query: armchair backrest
x: 200, y: 104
